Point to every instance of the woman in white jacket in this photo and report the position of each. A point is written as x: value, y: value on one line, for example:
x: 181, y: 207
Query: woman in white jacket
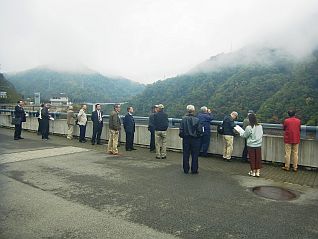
x: 254, y: 135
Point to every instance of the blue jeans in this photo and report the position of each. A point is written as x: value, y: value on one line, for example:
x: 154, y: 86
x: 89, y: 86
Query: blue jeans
x: 191, y: 146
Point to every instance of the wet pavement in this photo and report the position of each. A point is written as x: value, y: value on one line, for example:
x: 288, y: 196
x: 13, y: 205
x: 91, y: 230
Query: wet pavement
x: 64, y: 189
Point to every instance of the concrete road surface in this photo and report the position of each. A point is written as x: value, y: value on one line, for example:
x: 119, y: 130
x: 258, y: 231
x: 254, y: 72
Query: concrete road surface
x: 64, y: 189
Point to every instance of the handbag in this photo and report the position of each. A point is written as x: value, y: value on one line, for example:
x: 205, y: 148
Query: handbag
x: 15, y: 121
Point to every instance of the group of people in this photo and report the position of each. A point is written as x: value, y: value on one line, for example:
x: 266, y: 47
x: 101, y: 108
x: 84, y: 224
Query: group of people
x: 194, y: 130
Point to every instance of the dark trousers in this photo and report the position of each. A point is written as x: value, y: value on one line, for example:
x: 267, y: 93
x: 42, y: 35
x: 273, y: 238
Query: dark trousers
x: 129, y: 140
x: 17, y: 130
x: 191, y: 146
x: 244, y: 153
x: 97, y: 131
x: 82, y: 132
x: 152, y: 140
x: 40, y: 126
x: 205, y: 142
x: 255, y: 155
x: 45, y: 128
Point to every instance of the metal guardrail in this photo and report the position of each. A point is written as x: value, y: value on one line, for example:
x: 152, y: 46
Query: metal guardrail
x: 174, y: 122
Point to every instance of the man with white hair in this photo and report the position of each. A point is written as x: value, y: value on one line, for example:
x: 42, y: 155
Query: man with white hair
x: 228, y: 135
x: 190, y: 132
x: 205, y: 118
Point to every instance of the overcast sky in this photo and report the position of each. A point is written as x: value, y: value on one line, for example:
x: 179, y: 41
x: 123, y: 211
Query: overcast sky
x: 147, y: 40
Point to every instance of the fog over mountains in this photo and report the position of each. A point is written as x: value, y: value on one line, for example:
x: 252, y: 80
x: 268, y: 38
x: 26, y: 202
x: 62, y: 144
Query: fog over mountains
x: 267, y: 80
x: 80, y: 84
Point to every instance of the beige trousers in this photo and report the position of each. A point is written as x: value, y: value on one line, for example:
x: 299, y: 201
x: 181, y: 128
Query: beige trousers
x: 291, y: 150
x: 161, y: 143
x: 227, y: 146
x: 70, y: 129
x: 113, y: 141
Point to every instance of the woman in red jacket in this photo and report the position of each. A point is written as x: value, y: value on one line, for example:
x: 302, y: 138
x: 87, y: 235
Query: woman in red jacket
x: 291, y: 139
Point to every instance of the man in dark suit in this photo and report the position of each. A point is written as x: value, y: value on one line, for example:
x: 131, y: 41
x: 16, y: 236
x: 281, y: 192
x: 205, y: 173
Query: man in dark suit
x: 97, y: 119
x: 129, y: 126
x: 19, y: 115
x: 45, y: 121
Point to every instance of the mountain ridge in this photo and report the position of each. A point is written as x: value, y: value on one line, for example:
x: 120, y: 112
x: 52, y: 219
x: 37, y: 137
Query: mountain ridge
x: 80, y: 87
x: 260, y: 85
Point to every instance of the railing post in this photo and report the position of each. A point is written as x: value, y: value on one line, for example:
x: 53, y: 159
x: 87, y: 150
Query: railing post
x: 303, y: 133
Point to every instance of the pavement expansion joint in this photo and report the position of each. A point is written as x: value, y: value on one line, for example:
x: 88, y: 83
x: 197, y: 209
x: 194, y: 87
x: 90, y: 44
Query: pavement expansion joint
x: 41, y: 153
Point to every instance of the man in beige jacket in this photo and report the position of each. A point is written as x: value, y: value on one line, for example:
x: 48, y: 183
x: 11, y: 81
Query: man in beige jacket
x: 70, y: 122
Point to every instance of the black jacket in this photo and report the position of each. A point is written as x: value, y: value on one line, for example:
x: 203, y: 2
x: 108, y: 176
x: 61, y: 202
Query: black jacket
x: 95, y: 119
x: 19, y: 113
x: 151, y: 123
x: 129, y: 123
x: 190, y: 126
x: 161, y: 122
x: 45, y: 114
x: 228, y: 125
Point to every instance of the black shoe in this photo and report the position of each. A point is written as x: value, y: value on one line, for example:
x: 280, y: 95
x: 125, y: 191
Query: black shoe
x: 93, y: 143
x: 164, y: 157
x: 21, y: 138
x: 128, y: 149
x: 158, y: 157
x: 16, y: 138
x: 133, y: 149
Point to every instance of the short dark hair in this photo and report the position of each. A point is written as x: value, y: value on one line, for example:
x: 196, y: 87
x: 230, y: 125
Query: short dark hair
x: 128, y: 108
x: 291, y: 113
x: 116, y: 106
x: 252, y: 119
x: 42, y: 105
x: 96, y: 105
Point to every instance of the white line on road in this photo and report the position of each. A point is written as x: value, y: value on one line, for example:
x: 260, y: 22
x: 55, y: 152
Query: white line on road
x: 41, y: 153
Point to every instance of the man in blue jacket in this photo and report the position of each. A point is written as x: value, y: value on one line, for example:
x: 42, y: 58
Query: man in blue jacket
x: 129, y: 126
x: 228, y: 135
x: 205, y: 119
x: 97, y: 119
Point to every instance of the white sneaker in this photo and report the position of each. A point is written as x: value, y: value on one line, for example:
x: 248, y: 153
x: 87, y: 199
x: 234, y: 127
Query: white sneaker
x: 251, y: 173
x: 257, y: 174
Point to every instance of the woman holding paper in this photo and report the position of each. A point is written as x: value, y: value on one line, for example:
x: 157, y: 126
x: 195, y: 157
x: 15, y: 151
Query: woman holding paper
x: 254, y: 134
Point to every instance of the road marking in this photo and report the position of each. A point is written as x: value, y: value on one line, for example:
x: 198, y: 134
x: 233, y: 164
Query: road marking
x: 41, y: 153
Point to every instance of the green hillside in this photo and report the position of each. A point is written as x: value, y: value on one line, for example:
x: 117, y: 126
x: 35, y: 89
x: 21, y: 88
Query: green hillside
x: 79, y: 87
x: 268, y: 81
x: 6, y: 86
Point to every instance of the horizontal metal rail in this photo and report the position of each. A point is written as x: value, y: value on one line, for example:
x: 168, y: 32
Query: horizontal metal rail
x: 174, y: 122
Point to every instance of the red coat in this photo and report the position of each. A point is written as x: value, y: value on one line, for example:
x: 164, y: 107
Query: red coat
x: 292, y: 130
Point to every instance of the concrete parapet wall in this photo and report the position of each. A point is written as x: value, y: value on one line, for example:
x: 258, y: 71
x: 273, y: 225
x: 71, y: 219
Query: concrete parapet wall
x: 272, y: 149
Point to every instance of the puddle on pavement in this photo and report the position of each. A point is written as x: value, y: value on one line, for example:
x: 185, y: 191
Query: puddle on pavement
x: 274, y: 193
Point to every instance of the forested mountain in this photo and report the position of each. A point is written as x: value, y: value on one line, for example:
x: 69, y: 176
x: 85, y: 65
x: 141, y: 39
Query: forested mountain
x: 269, y: 81
x: 6, y: 86
x: 79, y: 87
